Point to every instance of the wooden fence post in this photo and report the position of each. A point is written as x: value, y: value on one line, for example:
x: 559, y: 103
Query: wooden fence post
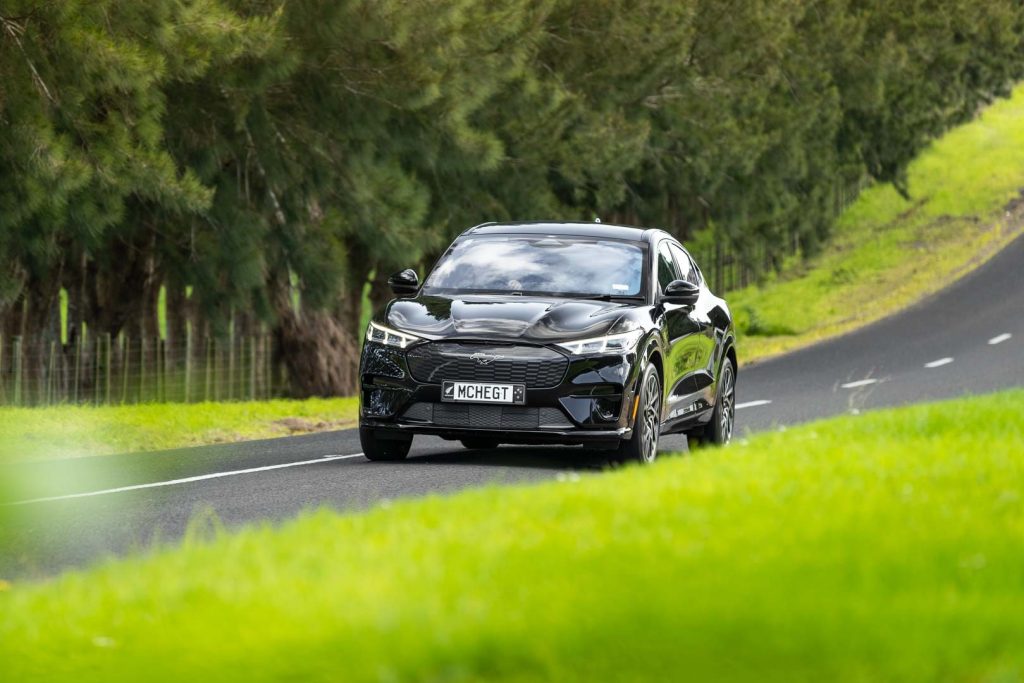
x: 187, y: 398
x: 142, y: 369
x: 107, y: 371
x: 96, y: 352
x: 252, y: 367
x: 3, y: 375
x: 231, y: 365
x: 17, y: 371
x: 209, y: 366
x: 126, y: 363
x: 268, y: 353
x: 218, y: 369
x: 159, y: 370
x: 165, y: 379
x: 51, y: 389
x: 78, y: 365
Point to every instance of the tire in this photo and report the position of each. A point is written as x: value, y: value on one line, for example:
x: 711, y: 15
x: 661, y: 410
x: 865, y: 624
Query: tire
x: 479, y: 443
x: 380, y: 449
x: 718, y: 431
x: 642, y: 446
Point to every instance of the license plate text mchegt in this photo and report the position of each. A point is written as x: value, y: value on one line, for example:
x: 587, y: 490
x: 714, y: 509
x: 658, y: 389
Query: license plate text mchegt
x: 481, y: 392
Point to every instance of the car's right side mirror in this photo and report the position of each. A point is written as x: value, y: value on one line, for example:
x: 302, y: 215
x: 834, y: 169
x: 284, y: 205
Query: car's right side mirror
x: 681, y: 292
x: 404, y: 283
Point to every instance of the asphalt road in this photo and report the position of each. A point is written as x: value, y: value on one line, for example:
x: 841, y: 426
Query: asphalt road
x: 968, y: 339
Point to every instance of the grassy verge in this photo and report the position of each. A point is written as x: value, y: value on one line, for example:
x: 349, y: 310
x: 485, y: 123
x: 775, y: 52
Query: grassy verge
x: 69, y: 431
x: 887, y: 251
x: 885, y: 546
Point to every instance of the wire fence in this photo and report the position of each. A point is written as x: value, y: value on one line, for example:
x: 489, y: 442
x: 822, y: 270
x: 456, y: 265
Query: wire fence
x: 107, y: 370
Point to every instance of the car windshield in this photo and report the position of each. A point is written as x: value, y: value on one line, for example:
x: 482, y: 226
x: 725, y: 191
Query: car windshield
x: 540, y: 265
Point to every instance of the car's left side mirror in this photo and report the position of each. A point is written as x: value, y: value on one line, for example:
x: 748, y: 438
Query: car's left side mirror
x: 681, y: 292
x: 405, y: 282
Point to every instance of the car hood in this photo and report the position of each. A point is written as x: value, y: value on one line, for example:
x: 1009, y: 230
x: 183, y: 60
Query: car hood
x: 532, y: 319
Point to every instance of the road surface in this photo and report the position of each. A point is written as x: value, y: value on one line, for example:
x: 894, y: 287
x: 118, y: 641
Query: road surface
x: 968, y: 339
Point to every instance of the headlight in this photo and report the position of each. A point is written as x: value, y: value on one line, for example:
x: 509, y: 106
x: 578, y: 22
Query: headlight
x: 389, y: 337
x: 614, y: 343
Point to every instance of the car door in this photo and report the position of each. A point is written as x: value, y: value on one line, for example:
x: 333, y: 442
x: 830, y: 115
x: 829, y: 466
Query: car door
x: 680, y: 336
x: 705, y: 341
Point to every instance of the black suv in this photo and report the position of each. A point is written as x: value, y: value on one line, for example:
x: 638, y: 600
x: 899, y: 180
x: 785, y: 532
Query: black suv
x: 572, y: 333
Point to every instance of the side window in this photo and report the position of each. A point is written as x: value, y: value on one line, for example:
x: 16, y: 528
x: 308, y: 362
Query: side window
x: 667, y: 271
x: 686, y: 266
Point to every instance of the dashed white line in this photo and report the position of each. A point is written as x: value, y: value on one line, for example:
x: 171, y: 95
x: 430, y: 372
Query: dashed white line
x: 999, y: 339
x: 186, y: 480
x: 859, y: 383
x: 939, y: 363
x: 751, y: 404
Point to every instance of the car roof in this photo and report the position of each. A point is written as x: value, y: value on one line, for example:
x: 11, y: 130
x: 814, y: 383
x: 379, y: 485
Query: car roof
x: 578, y: 228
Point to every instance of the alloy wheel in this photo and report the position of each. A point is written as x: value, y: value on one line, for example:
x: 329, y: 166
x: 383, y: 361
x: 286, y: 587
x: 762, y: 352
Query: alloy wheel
x: 651, y: 419
x: 728, y: 399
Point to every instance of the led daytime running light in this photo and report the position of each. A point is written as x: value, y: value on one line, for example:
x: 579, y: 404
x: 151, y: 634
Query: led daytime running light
x: 389, y: 337
x: 614, y: 343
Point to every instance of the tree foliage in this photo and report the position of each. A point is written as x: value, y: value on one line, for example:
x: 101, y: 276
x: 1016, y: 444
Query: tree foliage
x: 247, y: 155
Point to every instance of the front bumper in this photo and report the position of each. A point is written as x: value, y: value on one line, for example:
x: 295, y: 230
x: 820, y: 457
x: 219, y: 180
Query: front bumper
x: 597, y: 438
x: 592, y: 404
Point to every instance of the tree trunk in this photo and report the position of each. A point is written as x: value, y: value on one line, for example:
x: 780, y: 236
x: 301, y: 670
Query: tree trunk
x: 380, y: 293
x: 319, y: 352
x: 40, y: 326
x: 116, y: 287
x: 177, y: 314
x: 13, y: 319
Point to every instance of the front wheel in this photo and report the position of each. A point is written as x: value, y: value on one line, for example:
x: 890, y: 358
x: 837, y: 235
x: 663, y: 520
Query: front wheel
x: 378, y: 448
x: 718, y: 431
x: 642, y: 446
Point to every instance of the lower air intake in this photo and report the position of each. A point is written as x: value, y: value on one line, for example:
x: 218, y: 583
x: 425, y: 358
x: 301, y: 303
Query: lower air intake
x: 472, y: 416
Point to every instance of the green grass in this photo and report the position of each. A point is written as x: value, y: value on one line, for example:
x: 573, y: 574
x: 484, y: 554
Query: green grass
x: 885, y: 546
x: 69, y: 431
x: 888, y: 252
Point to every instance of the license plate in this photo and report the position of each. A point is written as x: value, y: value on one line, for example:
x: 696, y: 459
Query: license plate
x: 483, y: 392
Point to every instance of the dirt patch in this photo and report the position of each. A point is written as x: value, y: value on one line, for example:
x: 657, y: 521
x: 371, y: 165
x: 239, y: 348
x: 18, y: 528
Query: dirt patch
x: 298, y: 425
x: 216, y: 436
x: 1015, y: 205
x: 905, y: 215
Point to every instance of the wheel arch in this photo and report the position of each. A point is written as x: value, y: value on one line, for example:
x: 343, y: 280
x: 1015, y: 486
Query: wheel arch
x: 730, y: 354
x: 654, y: 358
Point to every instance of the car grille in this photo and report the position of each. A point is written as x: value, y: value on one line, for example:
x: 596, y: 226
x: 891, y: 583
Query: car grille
x: 475, y: 416
x: 535, y: 366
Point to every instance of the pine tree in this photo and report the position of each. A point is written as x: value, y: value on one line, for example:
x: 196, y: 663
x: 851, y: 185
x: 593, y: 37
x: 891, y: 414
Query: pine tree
x: 268, y: 156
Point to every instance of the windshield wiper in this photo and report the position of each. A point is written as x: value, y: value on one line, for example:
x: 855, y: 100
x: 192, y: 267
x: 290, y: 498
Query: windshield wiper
x: 613, y: 297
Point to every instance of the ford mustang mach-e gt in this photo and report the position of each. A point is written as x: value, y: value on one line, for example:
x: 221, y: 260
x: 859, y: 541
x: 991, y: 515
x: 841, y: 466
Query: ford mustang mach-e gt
x: 570, y: 333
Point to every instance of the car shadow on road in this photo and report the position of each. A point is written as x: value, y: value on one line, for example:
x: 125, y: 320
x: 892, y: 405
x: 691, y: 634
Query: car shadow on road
x: 533, y: 457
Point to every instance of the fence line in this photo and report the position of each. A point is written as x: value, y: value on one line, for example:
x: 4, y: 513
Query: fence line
x: 107, y: 370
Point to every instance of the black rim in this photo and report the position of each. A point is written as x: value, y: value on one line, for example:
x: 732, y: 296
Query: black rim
x: 651, y: 420
x: 728, y: 399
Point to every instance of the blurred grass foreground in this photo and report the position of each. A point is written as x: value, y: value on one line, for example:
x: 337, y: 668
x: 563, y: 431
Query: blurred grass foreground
x: 885, y: 546
x: 72, y: 431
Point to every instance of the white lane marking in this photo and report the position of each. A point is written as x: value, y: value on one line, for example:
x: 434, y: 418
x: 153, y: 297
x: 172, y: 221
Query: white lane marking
x: 999, y: 339
x: 186, y: 480
x: 858, y: 383
x: 751, y: 404
x: 939, y: 363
